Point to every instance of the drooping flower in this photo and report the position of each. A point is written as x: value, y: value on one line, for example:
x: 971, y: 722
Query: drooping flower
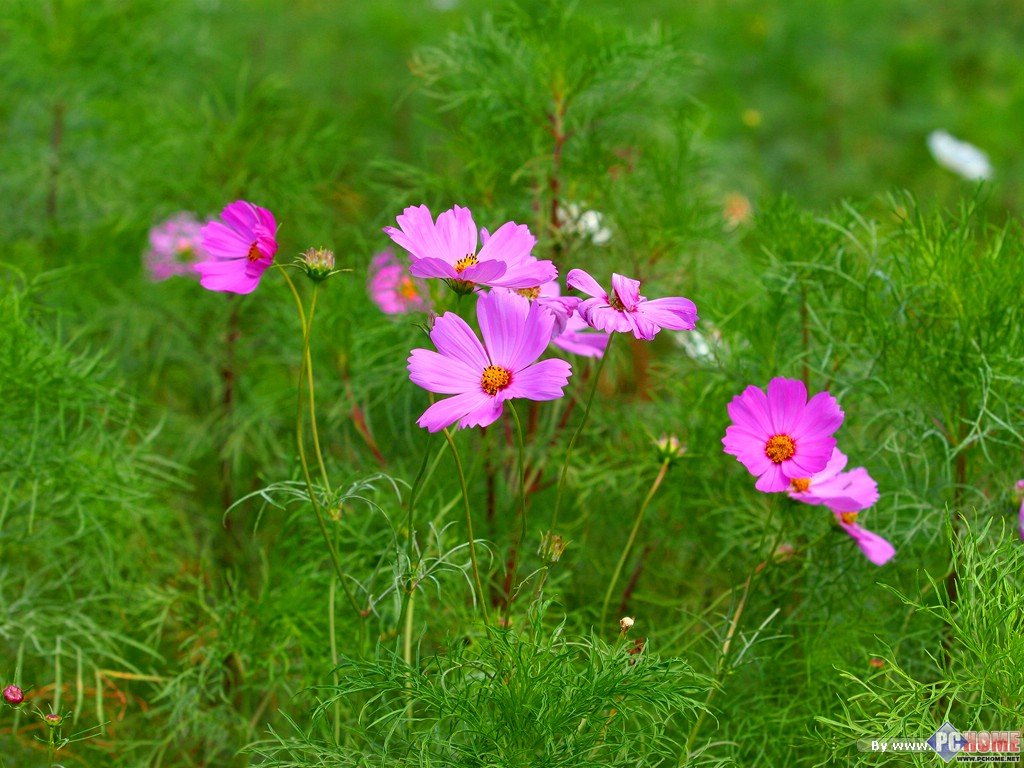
x: 781, y: 435
x: 963, y: 159
x: 875, y: 548
x: 13, y: 695
x: 831, y: 487
x: 481, y: 377
x: 174, y: 248
x: 624, y: 309
x: 447, y: 249
x: 239, y: 248
x: 393, y: 289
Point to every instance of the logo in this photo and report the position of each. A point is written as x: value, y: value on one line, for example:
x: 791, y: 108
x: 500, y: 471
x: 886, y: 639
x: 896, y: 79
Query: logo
x: 946, y: 742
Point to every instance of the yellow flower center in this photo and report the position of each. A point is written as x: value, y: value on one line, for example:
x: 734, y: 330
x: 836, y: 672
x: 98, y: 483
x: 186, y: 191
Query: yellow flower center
x: 800, y: 484
x: 465, y: 262
x: 848, y: 517
x: 254, y: 253
x: 779, y: 448
x: 495, y: 379
x: 530, y: 293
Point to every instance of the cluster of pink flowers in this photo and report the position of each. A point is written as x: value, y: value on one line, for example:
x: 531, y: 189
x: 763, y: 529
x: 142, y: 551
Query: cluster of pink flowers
x: 520, y: 311
x: 786, y: 442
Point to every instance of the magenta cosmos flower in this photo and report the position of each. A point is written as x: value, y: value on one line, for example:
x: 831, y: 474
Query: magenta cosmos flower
x: 174, y: 248
x: 625, y: 310
x: 448, y: 250
x: 240, y: 248
x: 393, y: 289
x: 780, y: 436
x: 483, y: 376
x: 13, y: 695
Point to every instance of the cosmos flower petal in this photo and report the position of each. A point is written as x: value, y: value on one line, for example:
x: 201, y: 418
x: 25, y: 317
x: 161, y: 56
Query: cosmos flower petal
x: 811, y: 456
x: 241, y: 216
x: 392, y: 288
x: 543, y: 380
x: 747, y: 448
x: 484, y: 414
x: 627, y: 289
x: 441, y: 374
x: 578, y: 339
x: 582, y: 281
x: 455, y: 339
x: 228, y: 244
x: 772, y: 480
x: 875, y: 548
x: 850, y: 491
x: 484, y: 273
x: 457, y: 231
x: 511, y: 243
x: 502, y: 315
x: 751, y: 409
x: 416, y: 233
x: 230, y: 282
x: 446, y: 412
x: 673, y: 313
x: 822, y: 415
x: 786, y: 401
x: 428, y: 266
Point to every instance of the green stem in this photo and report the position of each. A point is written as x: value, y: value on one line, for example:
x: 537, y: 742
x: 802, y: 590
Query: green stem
x: 314, y: 498
x: 730, y: 633
x: 629, y: 542
x: 576, y: 434
x: 469, y: 524
x: 522, y: 512
x: 308, y: 359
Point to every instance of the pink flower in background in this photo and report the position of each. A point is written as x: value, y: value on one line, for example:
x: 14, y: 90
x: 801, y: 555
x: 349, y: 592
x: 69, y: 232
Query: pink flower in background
x: 481, y: 377
x: 174, y: 247
x: 875, y: 548
x: 239, y: 248
x: 624, y: 309
x: 447, y: 249
x: 780, y: 436
x: 393, y: 289
x: 839, y: 491
x: 1020, y: 517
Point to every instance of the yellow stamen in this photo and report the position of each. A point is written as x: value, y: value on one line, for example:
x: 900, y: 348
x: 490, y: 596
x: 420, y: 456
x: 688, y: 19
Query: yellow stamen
x: 800, y: 484
x: 465, y: 262
x: 495, y: 379
x: 407, y: 288
x: 530, y: 293
x: 779, y: 448
x: 848, y: 517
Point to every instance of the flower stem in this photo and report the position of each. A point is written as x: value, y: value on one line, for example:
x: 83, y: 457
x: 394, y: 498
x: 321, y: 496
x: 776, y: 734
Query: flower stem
x: 469, y: 523
x: 632, y: 538
x: 511, y: 583
x: 576, y: 434
x: 314, y: 498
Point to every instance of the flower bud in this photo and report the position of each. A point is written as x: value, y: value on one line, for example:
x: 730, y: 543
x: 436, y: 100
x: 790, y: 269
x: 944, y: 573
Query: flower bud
x: 669, y: 448
x: 626, y: 623
x: 52, y: 719
x: 318, y: 263
x: 13, y: 695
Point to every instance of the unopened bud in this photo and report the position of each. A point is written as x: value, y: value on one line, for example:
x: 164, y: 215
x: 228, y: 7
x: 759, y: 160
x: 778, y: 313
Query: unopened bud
x: 669, y: 448
x: 625, y: 623
x: 52, y: 719
x: 318, y: 263
x: 13, y: 695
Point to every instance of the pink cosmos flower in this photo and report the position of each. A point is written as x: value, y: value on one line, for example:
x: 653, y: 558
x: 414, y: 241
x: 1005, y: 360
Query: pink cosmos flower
x: 448, y: 250
x: 875, y: 548
x: 839, y: 491
x: 13, y: 695
x: 626, y: 310
x: 1020, y: 518
x: 779, y: 436
x: 240, y: 248
x: 174, y: 247
x: 392, y: 289
x: 483, y: 376
x: 569, y: 332
x: 580, y: 339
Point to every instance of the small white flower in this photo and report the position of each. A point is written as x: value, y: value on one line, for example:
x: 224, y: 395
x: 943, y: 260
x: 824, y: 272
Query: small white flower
x: 962, y: 158
x: 587, y: 225
x: 625, y: 623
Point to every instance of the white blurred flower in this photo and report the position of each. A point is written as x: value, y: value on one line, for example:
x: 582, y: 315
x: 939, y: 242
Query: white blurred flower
x: 587, y: 225
x: 706, y: 348
x: 962, y: 158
